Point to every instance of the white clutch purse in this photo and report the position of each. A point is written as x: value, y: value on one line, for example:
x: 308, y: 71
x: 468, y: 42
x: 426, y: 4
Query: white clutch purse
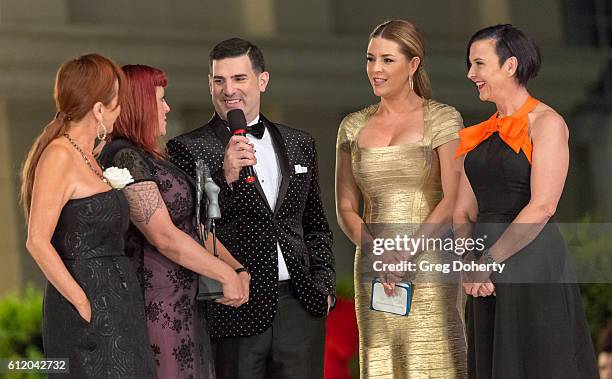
x: 398, y: 304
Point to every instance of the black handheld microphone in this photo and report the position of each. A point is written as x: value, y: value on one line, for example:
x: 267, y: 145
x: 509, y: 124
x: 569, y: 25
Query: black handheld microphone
x: 238, y: 126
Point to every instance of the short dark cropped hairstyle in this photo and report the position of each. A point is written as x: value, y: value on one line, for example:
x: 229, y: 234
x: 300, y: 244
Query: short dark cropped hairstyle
x: 511, y: 42
x: 236, y: 47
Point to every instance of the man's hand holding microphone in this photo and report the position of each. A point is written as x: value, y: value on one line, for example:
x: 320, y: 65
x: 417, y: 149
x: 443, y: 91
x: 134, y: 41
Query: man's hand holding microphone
x: 239, y: 152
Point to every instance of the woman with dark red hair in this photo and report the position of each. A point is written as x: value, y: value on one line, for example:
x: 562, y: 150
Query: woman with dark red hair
x: 163, y: 240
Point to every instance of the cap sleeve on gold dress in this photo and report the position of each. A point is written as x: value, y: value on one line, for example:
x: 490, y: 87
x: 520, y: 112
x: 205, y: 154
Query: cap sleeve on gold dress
x: 445, y: 124
x: 350, y: 126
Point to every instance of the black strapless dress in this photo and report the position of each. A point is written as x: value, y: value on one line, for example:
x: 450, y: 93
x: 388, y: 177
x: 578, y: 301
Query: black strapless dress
x: 89, y: 238
x: 535, y: 327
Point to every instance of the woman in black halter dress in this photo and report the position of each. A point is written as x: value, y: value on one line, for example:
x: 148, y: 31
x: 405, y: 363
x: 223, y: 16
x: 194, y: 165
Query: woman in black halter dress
x: 93, y: 308
x: 526, y: 321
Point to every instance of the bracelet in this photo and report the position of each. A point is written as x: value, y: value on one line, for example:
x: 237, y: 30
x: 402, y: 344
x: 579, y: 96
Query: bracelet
x: 487, y: 257
x: 242, y: 269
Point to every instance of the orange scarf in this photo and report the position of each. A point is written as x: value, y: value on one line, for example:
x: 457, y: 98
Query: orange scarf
x: 513, y: 130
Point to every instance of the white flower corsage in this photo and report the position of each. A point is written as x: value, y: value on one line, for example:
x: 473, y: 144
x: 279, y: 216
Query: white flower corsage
x: 118, y: 177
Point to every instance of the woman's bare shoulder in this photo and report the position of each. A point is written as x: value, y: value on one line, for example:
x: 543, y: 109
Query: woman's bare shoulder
x: 546, y: 120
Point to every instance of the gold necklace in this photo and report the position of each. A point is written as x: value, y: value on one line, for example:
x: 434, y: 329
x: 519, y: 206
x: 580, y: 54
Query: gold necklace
x: 95, y: 171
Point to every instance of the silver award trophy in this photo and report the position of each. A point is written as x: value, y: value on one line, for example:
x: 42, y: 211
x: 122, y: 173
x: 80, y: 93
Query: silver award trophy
x: 208, y: 289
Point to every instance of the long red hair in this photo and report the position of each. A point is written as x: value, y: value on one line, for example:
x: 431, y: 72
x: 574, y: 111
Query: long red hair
x: 79, y: 84
x: 138, y: 121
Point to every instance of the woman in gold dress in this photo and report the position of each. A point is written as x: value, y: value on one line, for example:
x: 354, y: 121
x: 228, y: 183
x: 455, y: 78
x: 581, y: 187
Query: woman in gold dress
x: 398, y: 156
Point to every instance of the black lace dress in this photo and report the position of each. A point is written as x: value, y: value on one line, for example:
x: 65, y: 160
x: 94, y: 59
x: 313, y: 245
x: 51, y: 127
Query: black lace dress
x: 175, y: 320
x: 535, y: 325
x: 89, y: 239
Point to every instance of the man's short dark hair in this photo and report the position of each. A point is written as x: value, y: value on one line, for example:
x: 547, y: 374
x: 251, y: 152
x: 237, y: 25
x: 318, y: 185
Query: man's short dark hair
x: 236, y: 47
x: 511, y: 42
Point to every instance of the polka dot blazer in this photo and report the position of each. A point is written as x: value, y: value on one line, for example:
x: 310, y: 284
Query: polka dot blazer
x: 250, y: 230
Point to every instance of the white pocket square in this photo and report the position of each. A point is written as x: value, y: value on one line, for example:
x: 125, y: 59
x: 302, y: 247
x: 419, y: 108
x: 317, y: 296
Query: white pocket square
x: 300, y: 169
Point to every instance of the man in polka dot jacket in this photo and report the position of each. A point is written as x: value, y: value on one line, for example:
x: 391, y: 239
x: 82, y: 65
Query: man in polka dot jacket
x: 275, y: 227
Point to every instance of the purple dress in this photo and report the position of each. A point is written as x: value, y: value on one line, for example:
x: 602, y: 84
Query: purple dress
x: 175, y: 320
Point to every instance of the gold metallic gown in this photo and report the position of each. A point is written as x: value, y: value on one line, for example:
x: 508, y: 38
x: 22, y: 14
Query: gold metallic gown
x: 402, y: 185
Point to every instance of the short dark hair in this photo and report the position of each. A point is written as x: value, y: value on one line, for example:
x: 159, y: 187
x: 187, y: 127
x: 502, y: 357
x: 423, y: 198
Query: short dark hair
x: 511, y: 42
x: 236, y: 47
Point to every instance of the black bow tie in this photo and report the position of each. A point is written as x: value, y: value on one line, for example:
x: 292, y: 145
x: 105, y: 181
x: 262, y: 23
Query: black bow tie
x: 257, y: 130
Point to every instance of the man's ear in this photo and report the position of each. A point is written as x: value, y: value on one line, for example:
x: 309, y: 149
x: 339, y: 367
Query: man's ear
x: 262, y: 81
